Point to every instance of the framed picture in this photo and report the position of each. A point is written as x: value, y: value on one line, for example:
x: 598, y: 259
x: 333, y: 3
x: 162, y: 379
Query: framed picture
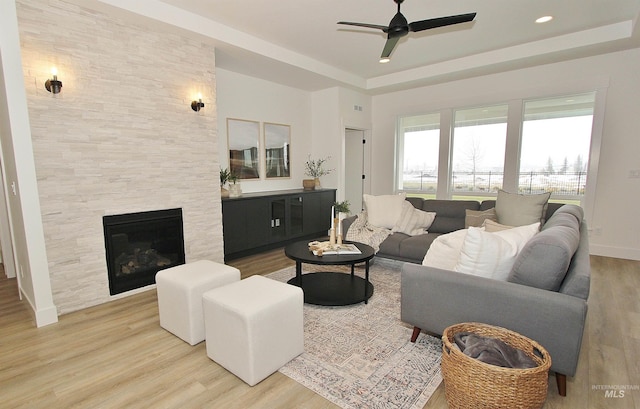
x: 277, y: 148
x: 243, y: 140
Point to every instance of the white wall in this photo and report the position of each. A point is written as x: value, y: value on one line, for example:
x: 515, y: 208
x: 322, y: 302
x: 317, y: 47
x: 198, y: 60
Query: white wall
x: 327, y: 133
x: 317, y: 120
x: 243, y: 97
x: 333, y: 112
x: 617, y: 195
x: 355, y: 113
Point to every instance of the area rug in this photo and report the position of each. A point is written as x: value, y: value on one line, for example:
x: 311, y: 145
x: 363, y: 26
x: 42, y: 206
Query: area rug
x: 360, y: 356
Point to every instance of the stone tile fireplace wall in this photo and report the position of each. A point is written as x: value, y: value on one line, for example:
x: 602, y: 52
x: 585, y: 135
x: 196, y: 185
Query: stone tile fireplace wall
x: 120, y: 138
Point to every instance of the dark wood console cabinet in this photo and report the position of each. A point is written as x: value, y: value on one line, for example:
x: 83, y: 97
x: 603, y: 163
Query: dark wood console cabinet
x: 256, y: 222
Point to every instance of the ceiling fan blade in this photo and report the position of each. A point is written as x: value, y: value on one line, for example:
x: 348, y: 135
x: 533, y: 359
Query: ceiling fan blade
x: 376, y: 26
x: 441, y: 22
x: 389, y: 46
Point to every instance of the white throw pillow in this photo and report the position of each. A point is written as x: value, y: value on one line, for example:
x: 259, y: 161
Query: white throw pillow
x: 444, y: 251
x: 413, y: 221
x: 492, y: 255
x: 385, y: 210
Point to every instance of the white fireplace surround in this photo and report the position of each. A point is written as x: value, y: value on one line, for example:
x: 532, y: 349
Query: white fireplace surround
x: 120, y: 138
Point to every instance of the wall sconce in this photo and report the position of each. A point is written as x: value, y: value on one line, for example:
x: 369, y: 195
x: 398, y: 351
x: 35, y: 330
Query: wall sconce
x: 53, y: 85
x: 197, y: 105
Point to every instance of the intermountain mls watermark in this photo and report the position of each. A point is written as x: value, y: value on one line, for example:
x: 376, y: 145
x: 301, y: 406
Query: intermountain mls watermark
x: 615, y: 391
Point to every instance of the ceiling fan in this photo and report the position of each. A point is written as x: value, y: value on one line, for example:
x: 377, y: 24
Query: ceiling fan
x: 399, y: 27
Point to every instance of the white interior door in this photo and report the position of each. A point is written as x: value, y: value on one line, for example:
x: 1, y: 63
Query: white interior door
x: 354, y: 169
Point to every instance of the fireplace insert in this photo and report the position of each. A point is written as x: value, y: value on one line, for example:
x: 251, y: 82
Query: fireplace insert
x: 138, y: 245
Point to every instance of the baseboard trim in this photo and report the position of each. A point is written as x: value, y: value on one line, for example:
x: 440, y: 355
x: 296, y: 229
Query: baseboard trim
x: 42, y: 316
x: 615, y: 252
x: 46, y: 316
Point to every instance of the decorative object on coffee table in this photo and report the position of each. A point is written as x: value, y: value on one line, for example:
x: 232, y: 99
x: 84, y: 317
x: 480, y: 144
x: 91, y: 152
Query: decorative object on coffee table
x: 471, y: 383
x: 334, y: 222
x: 341, y: 210
x: 321, y: 248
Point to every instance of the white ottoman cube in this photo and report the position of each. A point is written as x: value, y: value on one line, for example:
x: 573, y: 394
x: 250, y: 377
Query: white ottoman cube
x: 254, y: 327
x: 180, y: 292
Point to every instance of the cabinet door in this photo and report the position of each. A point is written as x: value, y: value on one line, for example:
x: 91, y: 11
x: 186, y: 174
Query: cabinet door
x: 317, y: 211
x: 296, y: 216
x: 278, y: 219
x: 245, y: 224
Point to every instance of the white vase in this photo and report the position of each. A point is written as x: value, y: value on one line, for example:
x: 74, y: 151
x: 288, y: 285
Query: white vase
x: 235, y: 190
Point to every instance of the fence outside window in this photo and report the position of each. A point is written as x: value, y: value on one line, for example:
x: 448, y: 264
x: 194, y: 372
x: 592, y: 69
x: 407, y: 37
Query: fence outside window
x: 559, y: 184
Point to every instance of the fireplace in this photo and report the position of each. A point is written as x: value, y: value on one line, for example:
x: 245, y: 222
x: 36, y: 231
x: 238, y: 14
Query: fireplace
x: 138, y: 245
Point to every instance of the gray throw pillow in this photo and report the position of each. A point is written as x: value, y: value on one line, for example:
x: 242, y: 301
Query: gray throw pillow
x: 521, y: 210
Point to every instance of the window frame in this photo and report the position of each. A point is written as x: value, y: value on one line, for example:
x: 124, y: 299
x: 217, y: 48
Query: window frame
x: 515, y: 119
x: 451, y: 188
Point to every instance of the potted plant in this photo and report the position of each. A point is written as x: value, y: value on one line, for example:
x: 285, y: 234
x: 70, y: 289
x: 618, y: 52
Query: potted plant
x: 342, y: 207
x: 235, y: 190
x: 225, y: 174
x: 315, y: 168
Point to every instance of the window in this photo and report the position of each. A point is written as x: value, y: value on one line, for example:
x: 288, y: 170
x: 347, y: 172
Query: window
x: 479, y: 140
x: 556, y: 137
x: 529, y: 146
x: 418, y: 147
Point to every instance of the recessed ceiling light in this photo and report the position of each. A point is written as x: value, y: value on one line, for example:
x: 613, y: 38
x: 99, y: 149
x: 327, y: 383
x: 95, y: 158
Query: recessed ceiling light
x: 544, y: 19
x: 384, y: 60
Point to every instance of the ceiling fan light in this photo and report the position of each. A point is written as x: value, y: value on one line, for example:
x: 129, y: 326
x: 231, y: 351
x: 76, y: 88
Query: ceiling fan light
x: 544, y: 19
x: 384, y: 60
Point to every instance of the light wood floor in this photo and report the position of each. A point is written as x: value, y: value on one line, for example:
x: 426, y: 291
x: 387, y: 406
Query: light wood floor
x: 116, y: 355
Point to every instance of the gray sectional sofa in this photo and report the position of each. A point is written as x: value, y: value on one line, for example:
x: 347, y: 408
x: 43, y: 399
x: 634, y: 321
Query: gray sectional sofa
x: 450, y: 216
x: 544, y: 298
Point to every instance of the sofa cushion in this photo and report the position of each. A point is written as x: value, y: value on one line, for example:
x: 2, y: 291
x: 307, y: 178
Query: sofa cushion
x: 476, y: 218
x: 450, y: 214
x: 577, y: 281
x: 384, y: 210
x: 545, y: 259
x: 415, y: 201
x: 492, y: 255
x: 567, y: 215
x: 391, y: 245
x: 414, y: 248
x: 413, y: 221
x: 519, y: 210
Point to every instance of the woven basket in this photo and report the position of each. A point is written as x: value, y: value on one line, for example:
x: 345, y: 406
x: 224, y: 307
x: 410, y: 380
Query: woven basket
x: 473, y: 384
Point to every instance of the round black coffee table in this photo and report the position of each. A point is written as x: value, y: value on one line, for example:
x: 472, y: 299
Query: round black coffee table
x: 331, y: 288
